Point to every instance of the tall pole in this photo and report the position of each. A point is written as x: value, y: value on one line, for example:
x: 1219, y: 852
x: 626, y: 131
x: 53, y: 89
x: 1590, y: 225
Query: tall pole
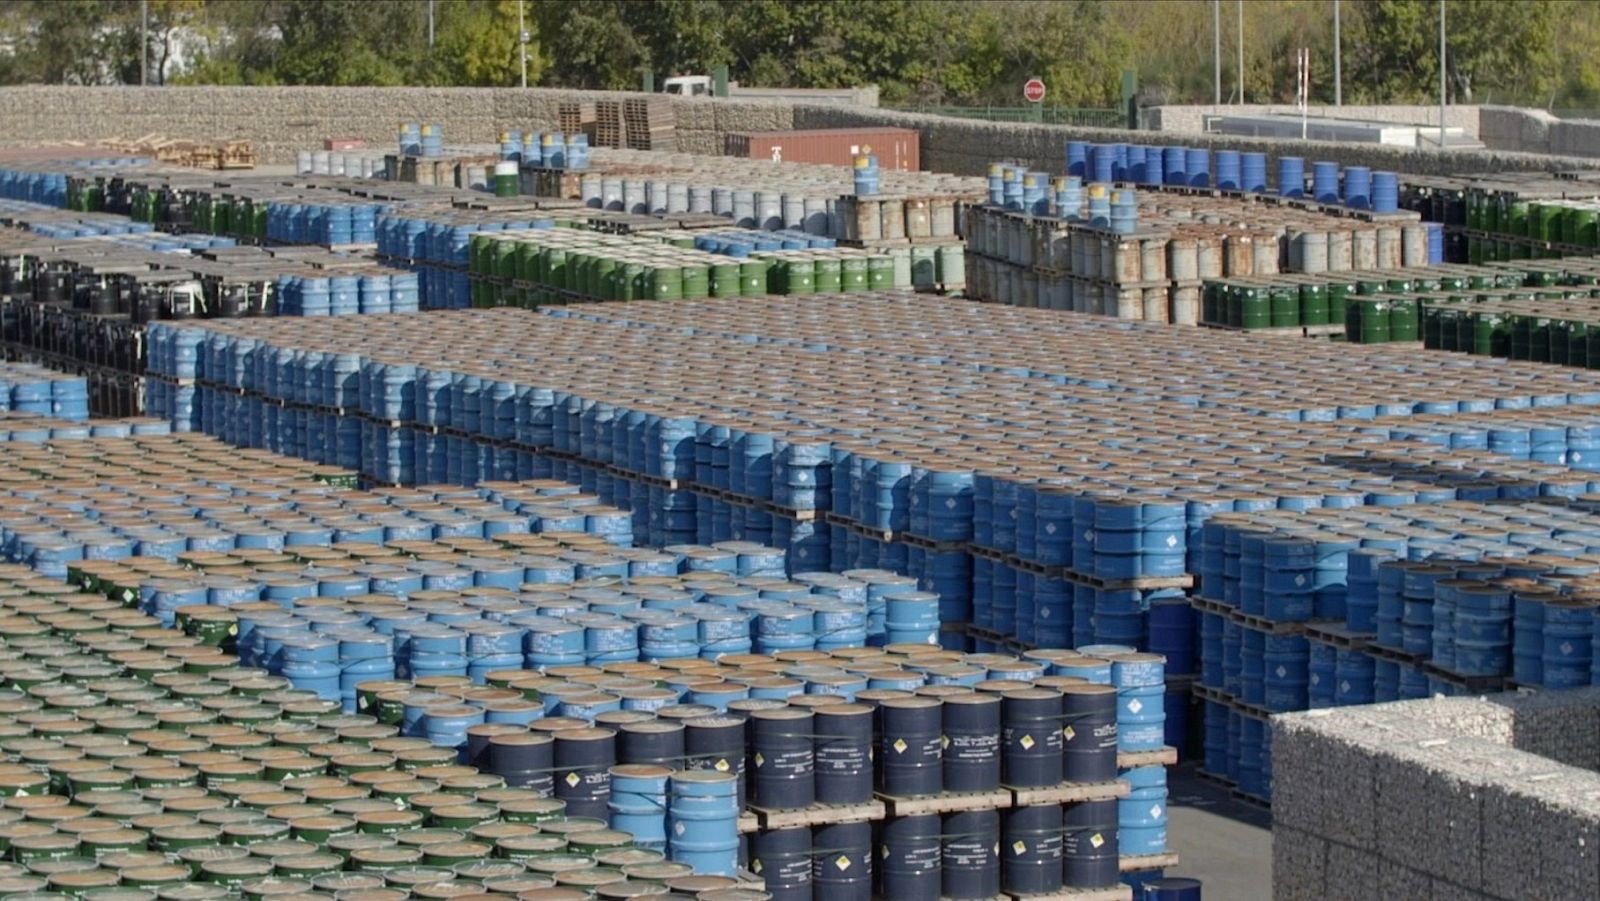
x: 1441, y: 75
x: 1241, y: 51
x: 522, y: 44
x: 1338, y: 71
x: 1216, y: 46
x: 430, y: 24
x: 144, y: 42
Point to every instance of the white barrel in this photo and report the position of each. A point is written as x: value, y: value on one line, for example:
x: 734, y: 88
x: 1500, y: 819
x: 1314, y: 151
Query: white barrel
x: 302, y: 162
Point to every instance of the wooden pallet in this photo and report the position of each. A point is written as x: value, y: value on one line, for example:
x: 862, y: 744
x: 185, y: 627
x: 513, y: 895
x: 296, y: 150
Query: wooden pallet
x: 1398, y: 655
x: 1111, y: 893
x: 1166, y: 756
x: 1334, y: 633
x: 999, y: 799
x: 1069, y: 792
x: 1133, y: 863
x: 818, y: 815
x: 1462, y: 680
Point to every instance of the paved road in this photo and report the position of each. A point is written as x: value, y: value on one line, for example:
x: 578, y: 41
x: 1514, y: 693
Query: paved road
x: 1224, y: 843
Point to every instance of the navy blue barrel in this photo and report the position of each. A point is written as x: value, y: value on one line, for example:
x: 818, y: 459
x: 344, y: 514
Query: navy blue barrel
x: 910, y: 858
x: 843, y: 750
x: 782, y: 758
x: 971, y: 846
x: 1089, y: 845
x: 652, y: 741
x: 524, y: 760
x: 972, y: 736
x: 1089, y: 733
x: 583, y: 761
x: 1172, y: 888
x: 910, y: 752
x: 841, y: 862
x: 1030, y: 735
x: 782, y: 857
x: 1030, y: 851
x: 716, y: 743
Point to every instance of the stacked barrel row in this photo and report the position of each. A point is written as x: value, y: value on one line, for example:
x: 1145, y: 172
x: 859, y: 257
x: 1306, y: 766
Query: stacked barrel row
x: 35, y: 429
x: 25, y: 388
x: 1376, y: 604
x: 1545, y: 318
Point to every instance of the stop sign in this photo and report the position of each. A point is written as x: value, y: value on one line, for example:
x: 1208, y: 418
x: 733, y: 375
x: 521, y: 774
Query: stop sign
x: 1033, y: 91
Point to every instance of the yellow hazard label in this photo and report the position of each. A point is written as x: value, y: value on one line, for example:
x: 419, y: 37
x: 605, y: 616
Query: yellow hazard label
x: 755, y: 866
x: 884, y: 852
x: 758, y: 759
x: 1097, y: 840
x: 1019, y: 847
x: 899, y: 746
x: 842, y: 862
x: 723, y: 765
x: 1068, y: 733
x: 573, y: 779
x: 1026, y: 742
x: 944, y: 742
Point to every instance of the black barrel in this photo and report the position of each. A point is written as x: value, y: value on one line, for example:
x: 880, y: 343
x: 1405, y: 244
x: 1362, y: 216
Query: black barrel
x: 524, y: 760
x: 910, y: 747
x: 478, y: 741
x: 656, y: 742
x: 716, y: 743
x: 909, y: 858
x: 972, y: 736
x: 583, y: 759
x: 971, y: 855
x: 1030, y: 851
x: 1030, y: 726
x: 1089, y: 749
x: 782, y: 857
x: 841, y: 862
x: 782, y: 760
x: 1089, y: 846
x: 843, y: 753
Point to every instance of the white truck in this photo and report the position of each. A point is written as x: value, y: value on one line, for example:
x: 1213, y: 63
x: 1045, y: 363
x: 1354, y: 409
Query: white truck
x: 703, y: 86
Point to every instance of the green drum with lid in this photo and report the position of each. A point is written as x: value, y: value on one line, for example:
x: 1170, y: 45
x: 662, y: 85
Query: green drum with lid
x: 753, y: 276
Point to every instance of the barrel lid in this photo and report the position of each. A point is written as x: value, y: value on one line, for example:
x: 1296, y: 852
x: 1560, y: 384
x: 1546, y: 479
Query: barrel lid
x: 912, y: 703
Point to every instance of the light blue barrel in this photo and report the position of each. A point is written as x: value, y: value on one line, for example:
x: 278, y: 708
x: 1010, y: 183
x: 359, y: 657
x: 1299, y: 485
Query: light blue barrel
x: 1287, y: 672
x: 1385, y: 192
x: 638, y: 803
x: 1357, y: 187
x: 1568, y: 642
x: 1322, y: 684
x: 1141, y: 712
x: 492, y: 646
x: 311, y: 662
x: 433, y: 650
x: 1142, y: 813
x: 704, y: 813
x: 446, y: 725
x: 1229, y: 172
x: 1291, y: 176
x: 911, y: 617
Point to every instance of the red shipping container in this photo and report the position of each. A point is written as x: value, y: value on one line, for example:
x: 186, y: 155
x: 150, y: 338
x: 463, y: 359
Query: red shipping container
x: 340, y: 144
x: 896, y: 148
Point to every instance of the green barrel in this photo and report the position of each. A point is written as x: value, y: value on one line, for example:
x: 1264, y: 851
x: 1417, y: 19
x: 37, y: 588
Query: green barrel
x: 1403, y: 320
x: 554, y: 263
x: 602, y: 284
x: 1255, y: 307
x: 725, y: 280
x: 526, y: 261
x: 828, y: 275
x: 1515, y: 220
x: 1366, y: 287
x: 1451, y: 281
x: 633, y: 281
x: 1400, y: 285
x: 880, y: 273
x: 952, y: 263
x: 1578, y: 344
x: 696, y: 281
x: 753, y: 277
x: 1446, y: 324
x: 666, y: 283
x: 478, y: 246
x: 506, y: 180
x: 1431, y: 339
x: 1592, y: 340
x: 1373, y: 321
x: 1284, y: 302
x: 1539, y: 340
x: 924, y: 266
x: 853, y: 276
x: 1521, y: 336
x: 1584, y: 230
x: 1210, y: 293
x: 794, y: 275
x: 1314, y: 304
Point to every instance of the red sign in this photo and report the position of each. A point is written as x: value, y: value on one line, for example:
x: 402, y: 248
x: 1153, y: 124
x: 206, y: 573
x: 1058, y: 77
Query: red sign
x: 1033, y: 91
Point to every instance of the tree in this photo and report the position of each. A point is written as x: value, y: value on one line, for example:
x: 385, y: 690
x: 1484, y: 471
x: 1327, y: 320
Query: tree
x: 477, y: 44
x: 351, y: 42
x: 1502, y: 51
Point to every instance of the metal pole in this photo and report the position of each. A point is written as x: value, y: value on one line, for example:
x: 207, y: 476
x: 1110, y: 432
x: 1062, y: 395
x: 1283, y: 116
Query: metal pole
x: 144, y: 42
x: 1241, y: 51
x: 1338, y: 71
x: 430, y: 24
x: 1441, y: 75
x: 1216, y: 47
x: 522, y: 43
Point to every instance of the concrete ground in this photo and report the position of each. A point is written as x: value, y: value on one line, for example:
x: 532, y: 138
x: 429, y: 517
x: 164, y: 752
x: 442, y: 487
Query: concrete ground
x: 1224, y: 843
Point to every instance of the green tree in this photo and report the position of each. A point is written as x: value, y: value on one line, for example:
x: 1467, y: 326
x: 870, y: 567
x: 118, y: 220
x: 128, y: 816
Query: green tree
x: 1495, y: 51
x: 477, y: 43
x: 598, y: 48
x: 352, y: 42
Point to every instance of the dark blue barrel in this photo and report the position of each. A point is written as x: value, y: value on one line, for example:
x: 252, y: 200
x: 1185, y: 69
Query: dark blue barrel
x: 524, y: 760
x: 1291, y: 176
x: 1089, y: 735
x: 910, y: 752
x: 971, y: 855
x: 1089, y: 846
x: 841, y: 862
x: 1172, y: 630
x: 782, y: 759
x: 1325, y: 181
x: 1253, y: 172
x: 1357, y: 187
x: 1077, y: 156
x: 583, y: 761
x: 1172, y: 166
x: 782, y: 857
x: 1172, y: 888
x: 1385, y: 192
x: 1228, y: 172
x: 651, y: 741
x: 843, y: 747
x: 1197, y: 166
x: 909, y: 858
x: 972, y: 736
x: 716, y: 743
x: 1030, y: 852
x: 1030, y: 726
x: 1102, y: 160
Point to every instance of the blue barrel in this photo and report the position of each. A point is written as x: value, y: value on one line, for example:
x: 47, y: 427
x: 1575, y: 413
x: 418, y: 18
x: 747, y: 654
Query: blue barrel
x: 1197, y: 167
x: 1568, y: 642
x: 1102, y: 163
x: 1089, y: 733
x: 1172, y: 888
x: 582, y: 760
x: 1322, y: 668
x: 524, y: 760
x: 1031, y: 849
x: 1172, y: 633
x: 1385, y: 192
x: 1291, y: 176
x: 1141, y: 709
x: 445, y: 726
x: 1229, y: 174
x: 1089, y: 849
x: 1325, y: 182
x: 638, y: 803
x: 910, y: 755
x: 971, y: 727
x: 843, y: 753
x: 1142, y: 814
x: 783, y: 858
x: 1357, y: 187
x: 909, y: 862
x: 1253, y: 172
x: 1355, y: 678
x: 704, y: 814
x: 841, y: 861
x: 1031, y: 737
x: 1287, y: 672
x: 1077, y: 154
x: 1173, y: 160
x: 970, y: 852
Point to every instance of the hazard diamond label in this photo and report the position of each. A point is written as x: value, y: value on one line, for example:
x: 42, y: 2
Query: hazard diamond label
x: 723, y: 766
x: 1097, y: 840
x: 1026, y: 742
x: 1281, y: 672
x: 1135, y: 705
x: 1155, y: 811
x: 677, y: 828
x: 944, y: 742
x: 759, y: 759
x: 573, y: 779
x: 899, y: 746
x: 755, y: 866
x: 842, y: 862
x: 1019, y: 847
x: 884, y: 852
x: 1068, y: 733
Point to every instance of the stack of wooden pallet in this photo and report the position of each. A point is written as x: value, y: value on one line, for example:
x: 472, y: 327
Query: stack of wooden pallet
x: 649, y: 124
x: 236, y: 154
x: 574, y: 116
x: 608, y: 128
